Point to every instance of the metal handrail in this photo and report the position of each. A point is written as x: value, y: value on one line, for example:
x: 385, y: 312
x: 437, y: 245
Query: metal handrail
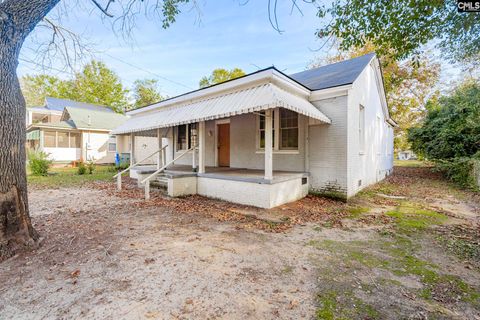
x: 137, y: 163
x: 146, y: 181
x: 119, y: 175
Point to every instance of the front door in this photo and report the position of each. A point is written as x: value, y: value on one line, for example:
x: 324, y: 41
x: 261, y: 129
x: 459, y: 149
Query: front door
x: 223, y: 145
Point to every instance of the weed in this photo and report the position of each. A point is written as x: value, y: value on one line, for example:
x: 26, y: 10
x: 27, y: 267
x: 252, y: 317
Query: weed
x: 356, y: 212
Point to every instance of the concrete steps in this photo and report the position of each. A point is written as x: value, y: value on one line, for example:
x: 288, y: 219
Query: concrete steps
x: 161, y: 182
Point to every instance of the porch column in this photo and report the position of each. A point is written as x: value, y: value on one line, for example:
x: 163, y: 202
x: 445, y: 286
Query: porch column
x: 201, y: 147
x: 132, y: 148
x: 268, y: 145
x: 160, y: 153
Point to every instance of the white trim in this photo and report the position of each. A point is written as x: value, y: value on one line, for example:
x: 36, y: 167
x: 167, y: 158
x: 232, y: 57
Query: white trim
x: 217, y: 122
x: 222, y: 121
x: 330, y: 92
x: 276, y: 138
x: 279, y: 151
x: 269, y: 75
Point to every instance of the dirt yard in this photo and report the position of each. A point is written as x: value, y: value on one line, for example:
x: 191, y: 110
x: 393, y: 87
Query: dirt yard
x: 408, y: 248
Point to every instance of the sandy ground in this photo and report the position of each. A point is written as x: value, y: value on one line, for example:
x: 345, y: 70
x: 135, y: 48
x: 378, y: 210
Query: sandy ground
x: 109, y: 257
x: 118, y: 263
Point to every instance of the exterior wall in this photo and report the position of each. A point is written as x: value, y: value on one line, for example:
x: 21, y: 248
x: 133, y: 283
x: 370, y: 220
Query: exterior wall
x: 376, y: 161
x: 253, y: 194
x: 243, y: 146
x: 63, y: 154
x: 145, y: 146
x: 184, y: 186
x: 328, y: 148
x: 95, y: 147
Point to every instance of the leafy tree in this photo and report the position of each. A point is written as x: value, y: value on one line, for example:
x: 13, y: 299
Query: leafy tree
x: 98, y: 84
x: 146, y: 92
x: 452, y: 126
x: 36, y: 87
x: 408, y: 86
x: 403, y: 26
x: 220, y: 75
x: 17, y: 20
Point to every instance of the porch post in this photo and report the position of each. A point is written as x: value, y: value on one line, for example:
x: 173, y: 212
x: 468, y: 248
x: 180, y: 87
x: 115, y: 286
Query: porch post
x: 132, y: 148
x: 201, y: 147
x: 268, y: 145
x: 159, y: 154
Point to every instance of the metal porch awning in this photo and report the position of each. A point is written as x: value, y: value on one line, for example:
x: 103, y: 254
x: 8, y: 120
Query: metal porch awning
x: 253, y: 99
x: 33, y: 135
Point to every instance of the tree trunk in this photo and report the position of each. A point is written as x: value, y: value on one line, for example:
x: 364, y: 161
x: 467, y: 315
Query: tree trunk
x: 17, y: 20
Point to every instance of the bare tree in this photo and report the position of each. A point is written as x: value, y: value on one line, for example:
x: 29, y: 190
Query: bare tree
x: 17, y: 20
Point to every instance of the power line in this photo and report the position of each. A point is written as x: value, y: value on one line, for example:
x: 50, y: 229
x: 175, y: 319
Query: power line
x: 150, y: 72
x: 43, y: 66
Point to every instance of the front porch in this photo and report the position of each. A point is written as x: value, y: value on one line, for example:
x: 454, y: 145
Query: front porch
x: 244, y: 186
x: 248, y: 144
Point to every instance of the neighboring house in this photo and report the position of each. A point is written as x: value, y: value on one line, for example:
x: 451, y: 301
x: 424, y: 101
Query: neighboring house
x: 80, y: 133
x: 406, y: 155
x: 268, y: 138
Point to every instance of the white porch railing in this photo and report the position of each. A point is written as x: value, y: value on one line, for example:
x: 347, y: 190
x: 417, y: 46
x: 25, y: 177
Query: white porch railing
x: 146, y: 181
x: 119, y: 175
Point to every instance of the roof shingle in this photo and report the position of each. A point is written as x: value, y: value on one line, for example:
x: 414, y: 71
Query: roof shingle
x: 333, y: 75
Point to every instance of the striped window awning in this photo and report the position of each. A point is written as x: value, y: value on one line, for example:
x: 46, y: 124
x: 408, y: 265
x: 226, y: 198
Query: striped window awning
x: 33, y: 135
x: 253, y: 99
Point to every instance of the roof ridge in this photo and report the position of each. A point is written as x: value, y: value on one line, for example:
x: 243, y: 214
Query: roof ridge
x: 334, y: 63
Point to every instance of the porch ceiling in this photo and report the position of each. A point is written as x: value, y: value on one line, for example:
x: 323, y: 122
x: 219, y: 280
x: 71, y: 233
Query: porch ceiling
x: 252, y: 99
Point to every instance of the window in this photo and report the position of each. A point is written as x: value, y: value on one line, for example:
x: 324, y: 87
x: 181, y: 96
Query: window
x: 49, y: 139
x: 62, y: 139
x: 288, y: 129
x: 361, y: 128
x: 261, y: 129
x: 112, y: 147
x: 284, y: 130
x: 182, y: 137
x: 74, y: 140
x: 112, y: 143
x: 187, y: 136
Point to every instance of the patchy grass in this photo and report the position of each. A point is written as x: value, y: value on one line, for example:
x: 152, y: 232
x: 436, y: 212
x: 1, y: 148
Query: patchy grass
x: 410, y: 217
x: 411, y: 163
x: 344, y: 305
x: 356, y: 212
x: 68, y: 176
x: 461, y: 240
x: 397, y: 256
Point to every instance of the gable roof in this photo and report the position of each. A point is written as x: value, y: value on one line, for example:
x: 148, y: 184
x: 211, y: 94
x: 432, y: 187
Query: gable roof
x: 83, y: 116
x: 333, y: 75
x: 93, y: 119
x: 61, y: 104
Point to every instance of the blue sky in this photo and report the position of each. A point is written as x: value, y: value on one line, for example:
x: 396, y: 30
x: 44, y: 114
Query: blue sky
x: 227, y: 34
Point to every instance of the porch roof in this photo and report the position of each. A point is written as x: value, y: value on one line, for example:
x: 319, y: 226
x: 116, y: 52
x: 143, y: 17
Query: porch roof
x: 252, y: 99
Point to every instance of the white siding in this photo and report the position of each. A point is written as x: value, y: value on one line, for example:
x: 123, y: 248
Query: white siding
x: 63, y: 154
x: 376, y: 160
x: 328, y: 148
x: 243, y: 152
x: 95, y: 147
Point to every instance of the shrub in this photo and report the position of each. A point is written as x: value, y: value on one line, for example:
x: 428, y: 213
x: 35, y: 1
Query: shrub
x: 82, y: 169
x: 122, y: 166
x: 39, y: 163
x: 461, y: 170
x: 90, y: 167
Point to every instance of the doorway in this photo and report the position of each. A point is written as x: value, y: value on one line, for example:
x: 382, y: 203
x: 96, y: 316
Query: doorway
x: 223, y: 144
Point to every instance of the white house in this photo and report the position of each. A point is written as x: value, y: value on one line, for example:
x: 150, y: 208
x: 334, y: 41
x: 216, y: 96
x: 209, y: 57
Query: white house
x: 267, y: 138
x: 406, y: 155
x: 73, y: 131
